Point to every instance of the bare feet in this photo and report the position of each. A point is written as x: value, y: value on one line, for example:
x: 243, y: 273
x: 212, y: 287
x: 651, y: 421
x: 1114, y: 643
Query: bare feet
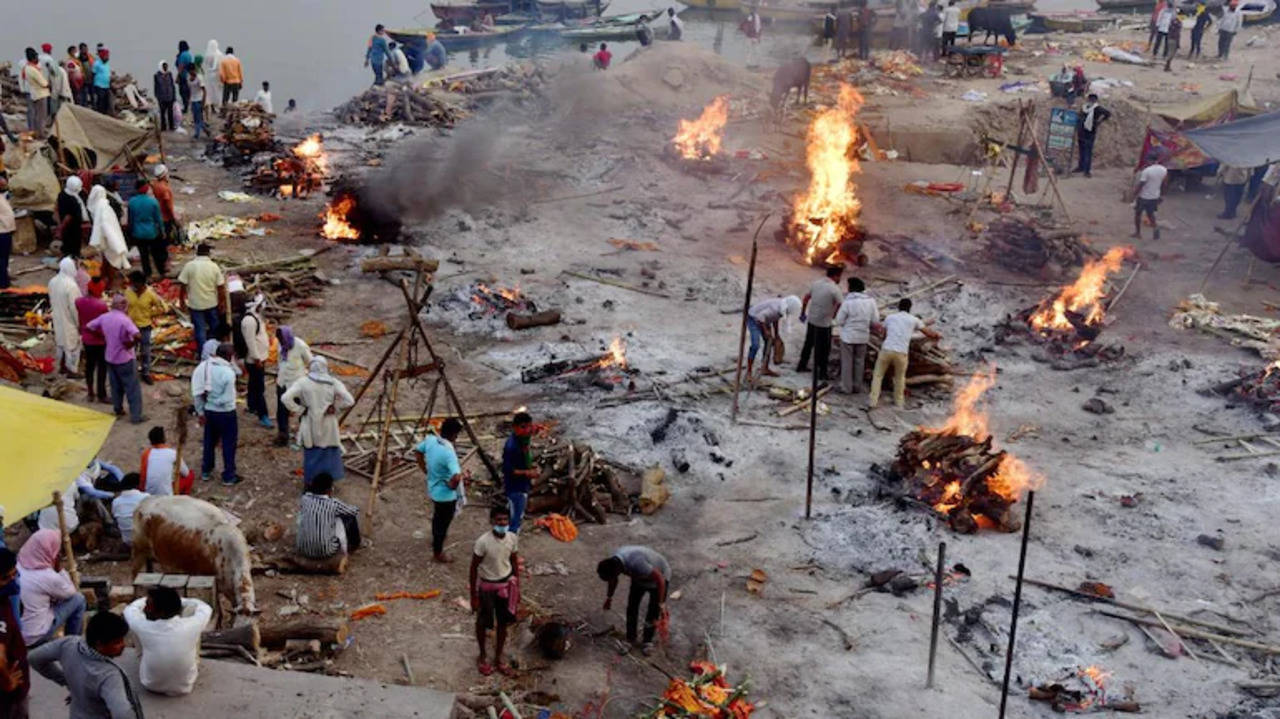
x: 443, y: 559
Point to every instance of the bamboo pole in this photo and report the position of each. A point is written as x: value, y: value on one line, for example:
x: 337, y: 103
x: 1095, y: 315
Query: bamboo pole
x: 1017, y: 602
x: 66, y: 541
x: 390, y: 409
x: 746, y: 307
x: 1181, y: 619
x: 1013, y: 167
x: 813, y: 430
x: 1196, y: 633
x: 448, y: 386
x: 937, y: 611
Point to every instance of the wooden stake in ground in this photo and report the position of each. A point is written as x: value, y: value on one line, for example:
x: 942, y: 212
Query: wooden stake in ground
x: 1017, y: 602
x: 390, y: 409
x: 1013, y: 167
x: 70, y: 556
x: 937, y: 611
x: 813, y: 428
x: 746, y: 307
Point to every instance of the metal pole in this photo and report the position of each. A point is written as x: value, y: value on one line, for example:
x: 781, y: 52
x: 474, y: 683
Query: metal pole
x: 937, y: 610
x: 1017, y: 600
x: 746, y: 307
x: 813, y: 426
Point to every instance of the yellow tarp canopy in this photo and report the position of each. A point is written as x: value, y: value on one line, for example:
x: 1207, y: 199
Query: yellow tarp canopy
x: 97, y: 138
x: 44, y: 444
x: 1194, y: 113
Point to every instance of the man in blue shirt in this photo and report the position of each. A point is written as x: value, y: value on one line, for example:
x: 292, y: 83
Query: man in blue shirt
x: 146, y: 227
x: 517, y: 468
x: 438, y: 459
x: 437, y: 56
x: 102, y: 81
x: 376, y: 53
x: 215, y: 402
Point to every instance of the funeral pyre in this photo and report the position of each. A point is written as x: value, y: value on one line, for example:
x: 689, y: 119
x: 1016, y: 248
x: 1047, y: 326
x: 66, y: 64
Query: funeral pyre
x: 485, y: 307
x: 352, y: 214
x: 575, y: 481
x: 247, y: 130
x: 822, y: 222
x: 701, y: 138
x: 606, y: 369
x: 297, y: 172
x: 956, y: 470
x: 1019, y: 245
x: 1067, y: 325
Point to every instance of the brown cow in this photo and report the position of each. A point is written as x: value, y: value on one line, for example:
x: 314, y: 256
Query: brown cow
x: 190, y: 535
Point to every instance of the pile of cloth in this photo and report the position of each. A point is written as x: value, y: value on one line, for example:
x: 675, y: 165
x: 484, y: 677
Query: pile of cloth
x: 1242, y: 330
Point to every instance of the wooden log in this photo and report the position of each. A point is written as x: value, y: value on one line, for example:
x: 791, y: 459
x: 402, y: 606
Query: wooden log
x: 522, y: 320
x: 402, y: 262
x: 1181, y: 619
x: 327, y: 631
x: 245, y: 636
x: 1195, y: 633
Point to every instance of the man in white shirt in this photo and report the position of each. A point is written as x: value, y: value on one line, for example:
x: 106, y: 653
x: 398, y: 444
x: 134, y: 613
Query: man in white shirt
x: 1149, y: 185
x: 168, y: 629
x: 263, y: 98
x: 898, y: 328
x: 157, y: 472
x: 950, y: 25
x: 677, y: 25
x: 1228, y: 26
x: 123, y: 505
x: 856, y: 315
x: 1163, y: 21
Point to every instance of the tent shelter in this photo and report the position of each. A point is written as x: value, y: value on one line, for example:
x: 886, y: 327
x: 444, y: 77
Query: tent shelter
x: 45, y: 444
x: 94, y: 141
x: 33, y: 183
x: 1181, y: 152
x: 1250, y: 142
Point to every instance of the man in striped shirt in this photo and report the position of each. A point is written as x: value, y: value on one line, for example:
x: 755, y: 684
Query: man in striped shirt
x: 327, y: 527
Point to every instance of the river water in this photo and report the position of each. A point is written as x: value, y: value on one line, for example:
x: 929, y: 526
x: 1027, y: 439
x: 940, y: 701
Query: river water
x: 311, y: 50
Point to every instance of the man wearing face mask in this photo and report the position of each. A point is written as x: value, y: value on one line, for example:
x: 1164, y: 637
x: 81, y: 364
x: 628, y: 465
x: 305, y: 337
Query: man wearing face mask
x: 518, y: 471
x: 15, y: 673
x: 495, y: 587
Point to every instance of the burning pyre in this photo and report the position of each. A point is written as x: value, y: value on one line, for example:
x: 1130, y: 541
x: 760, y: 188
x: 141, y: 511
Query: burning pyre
x: 357, y: 213
x: 1068, y: 323
x: 337, y: 225
x: 298, y: 172
x: 957, y: 472
x: 1091, y: 697
x: 823, y: 221
x: 700, y: 139
x: 605, y: 369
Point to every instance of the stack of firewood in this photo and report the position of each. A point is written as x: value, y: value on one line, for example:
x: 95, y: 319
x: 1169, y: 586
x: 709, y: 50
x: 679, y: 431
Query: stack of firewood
x: 288, y: 284
x: 949, y: 473
x: 927, y: 363
x: 248, y: 128
x: 11, y: 102
x: 399, y: 103
x: 575, y: 480
x: 1019, y: 245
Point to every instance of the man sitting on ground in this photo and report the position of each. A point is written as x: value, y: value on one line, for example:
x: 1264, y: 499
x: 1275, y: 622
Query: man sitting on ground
x: 123, y: 505
x: 328, y: 528
x: 650, y: 574
x: 168, y: 629
x: 495, y: 587
x: 99, y: 687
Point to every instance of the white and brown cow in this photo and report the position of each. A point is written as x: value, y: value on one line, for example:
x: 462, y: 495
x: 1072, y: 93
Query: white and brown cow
x: 190, y: 535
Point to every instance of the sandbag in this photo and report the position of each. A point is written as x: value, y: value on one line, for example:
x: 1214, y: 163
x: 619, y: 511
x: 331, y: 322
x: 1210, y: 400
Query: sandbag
x: 653, y: 491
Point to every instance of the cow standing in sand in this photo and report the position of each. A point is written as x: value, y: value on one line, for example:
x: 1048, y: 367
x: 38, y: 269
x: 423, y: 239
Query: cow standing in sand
x: 190, y: 535
x: 793, y: 74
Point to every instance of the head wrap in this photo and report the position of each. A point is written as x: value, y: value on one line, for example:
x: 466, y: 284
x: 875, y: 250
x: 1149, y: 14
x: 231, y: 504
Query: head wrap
x: 47, y: 48
x: 286, y: 340
x: 40, y: 550
x: 67, y: 268
x: 209, y: 349
x: 319, y: 370
x: 160, y: 65
x: 159, y: 171
x: 256, y: 303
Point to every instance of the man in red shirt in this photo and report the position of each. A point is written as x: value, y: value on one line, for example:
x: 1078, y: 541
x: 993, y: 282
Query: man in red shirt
x: 602, y: 58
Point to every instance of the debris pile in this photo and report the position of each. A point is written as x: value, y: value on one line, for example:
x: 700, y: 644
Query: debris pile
x: 1091, y: 697
x: 1018, y: 245
x: 575, y: 481
x: 1242, y: 330
x: 1067, y: 324
x: 956, y: 471
x: 483, y: 307
x: 707, y: 694
x: 11, y: 102
x: 1259, y: 389
x: 399, y: 103
x: 519, y: 81
x: 605, y: 370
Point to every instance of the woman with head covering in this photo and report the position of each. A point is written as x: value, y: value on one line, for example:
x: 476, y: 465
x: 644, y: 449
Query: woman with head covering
x: 209, y: 64
x: 316, y: 398
x: 107, y: 237
x: 63, y: 293
x: 293, y: 362
x: 72, y: 214
x: 49, y: 599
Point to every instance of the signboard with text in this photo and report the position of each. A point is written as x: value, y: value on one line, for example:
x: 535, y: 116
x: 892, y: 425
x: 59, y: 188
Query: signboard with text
x: 1060, y: 144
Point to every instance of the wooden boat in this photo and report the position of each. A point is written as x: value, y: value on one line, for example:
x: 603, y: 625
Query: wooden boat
x: 458, y: 38
x: 1257, y: 10
x: 1072, y: 22
x: 1018, y: 6
x: 729, y: 5
x: 1126, y: 5
x: 568, y: 9
x: 464, y: 14
x: 612, y: 31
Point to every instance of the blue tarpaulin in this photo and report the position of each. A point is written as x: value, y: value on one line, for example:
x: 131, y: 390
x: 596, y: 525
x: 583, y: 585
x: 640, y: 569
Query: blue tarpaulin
x: 1250, y: 142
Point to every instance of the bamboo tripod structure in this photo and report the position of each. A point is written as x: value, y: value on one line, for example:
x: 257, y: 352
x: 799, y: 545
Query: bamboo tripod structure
x: 407, y: 345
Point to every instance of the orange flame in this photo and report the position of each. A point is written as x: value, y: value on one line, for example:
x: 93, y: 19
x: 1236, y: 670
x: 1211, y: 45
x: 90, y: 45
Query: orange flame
x: 312, y: 149
x: 823, y: 213
x: 701, y: 138
x: 1013, y: 478
x: 336, y: 226
x: 1083, y: 296
x: 966, y: 419
x: 617, y: 354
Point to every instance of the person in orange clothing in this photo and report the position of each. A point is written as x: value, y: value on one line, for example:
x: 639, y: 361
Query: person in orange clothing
x: 231, y: 73
x: 163, y: 193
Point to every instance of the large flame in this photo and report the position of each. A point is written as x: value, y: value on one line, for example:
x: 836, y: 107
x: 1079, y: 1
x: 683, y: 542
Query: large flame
x: 965, y: 417
x: 312, y: 149
x: 701, y: 138
x: 1013, y: 478
x: 1083, y: 296
x: 830, y: 206
x: 336, y: 226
